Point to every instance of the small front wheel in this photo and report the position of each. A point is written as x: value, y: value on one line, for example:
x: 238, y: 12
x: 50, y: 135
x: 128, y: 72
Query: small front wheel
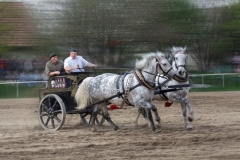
x: 51, y: 112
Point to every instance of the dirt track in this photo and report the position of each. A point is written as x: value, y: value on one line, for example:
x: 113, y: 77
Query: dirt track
x: 216, y: 133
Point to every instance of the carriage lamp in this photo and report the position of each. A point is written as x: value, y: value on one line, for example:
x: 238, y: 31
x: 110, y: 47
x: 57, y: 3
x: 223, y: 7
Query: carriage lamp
x: 53, y: 83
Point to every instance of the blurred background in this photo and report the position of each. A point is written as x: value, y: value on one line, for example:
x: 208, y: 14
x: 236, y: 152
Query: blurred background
x: 113, y: 33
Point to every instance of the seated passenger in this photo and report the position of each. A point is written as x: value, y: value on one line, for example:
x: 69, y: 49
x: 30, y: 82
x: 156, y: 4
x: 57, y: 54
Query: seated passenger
x: 76, y: 63
x: 54, y: 66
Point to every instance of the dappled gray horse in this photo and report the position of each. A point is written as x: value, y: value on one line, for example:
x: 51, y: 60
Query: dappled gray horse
x: 178, y: 59
x: 139, y: 86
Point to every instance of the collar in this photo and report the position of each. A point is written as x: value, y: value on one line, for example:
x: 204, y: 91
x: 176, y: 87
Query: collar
x: 141, y: 80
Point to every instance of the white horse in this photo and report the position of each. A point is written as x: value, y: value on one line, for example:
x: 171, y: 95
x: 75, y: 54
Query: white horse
x: 111, y: 88
x: 178, y: 58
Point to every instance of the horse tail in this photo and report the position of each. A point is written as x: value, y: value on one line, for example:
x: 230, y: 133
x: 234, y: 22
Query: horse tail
x: 82, y: 96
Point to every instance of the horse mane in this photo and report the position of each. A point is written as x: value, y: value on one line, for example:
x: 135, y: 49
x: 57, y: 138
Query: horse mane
x: 147, y: 59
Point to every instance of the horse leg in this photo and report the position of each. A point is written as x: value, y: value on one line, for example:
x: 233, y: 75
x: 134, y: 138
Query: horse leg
x: 184, y: 111
x: 150, y: 119
x: 143, y: 112
x: 93, y: 118
x: 186, y: 102
x: 107, y: 117
x: 191, y: 112
x: 137, y: 117
x: 157, y: 118
x: 148, y: 107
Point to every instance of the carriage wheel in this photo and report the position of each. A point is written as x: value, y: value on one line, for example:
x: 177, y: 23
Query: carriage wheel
x: 85, y: 117
x: 51, y: 112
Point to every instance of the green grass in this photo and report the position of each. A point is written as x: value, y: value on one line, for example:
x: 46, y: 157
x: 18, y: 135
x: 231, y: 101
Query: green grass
x: 24, y: 91
x: 231, y: 83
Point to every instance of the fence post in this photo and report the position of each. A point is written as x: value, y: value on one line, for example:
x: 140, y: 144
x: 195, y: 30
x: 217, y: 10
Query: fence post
x: 17, y: 90
x: 223, y: 80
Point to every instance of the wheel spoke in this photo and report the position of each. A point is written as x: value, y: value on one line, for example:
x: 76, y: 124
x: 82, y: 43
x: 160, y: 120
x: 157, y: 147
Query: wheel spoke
x: 44, y: 106
x: 59, y: 121
x: 55, y: 102
x: 49, y: 101
x: 46, y: 124
x: 44, y: 114
x: 52, y: 123
x: 58, y: 111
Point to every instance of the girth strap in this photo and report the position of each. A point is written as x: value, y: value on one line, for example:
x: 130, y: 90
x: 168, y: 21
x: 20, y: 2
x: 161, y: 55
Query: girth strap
x: 125, y: 92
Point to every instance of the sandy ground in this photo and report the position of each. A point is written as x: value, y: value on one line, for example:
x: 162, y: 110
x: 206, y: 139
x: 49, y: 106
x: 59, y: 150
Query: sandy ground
x: 215, y: 134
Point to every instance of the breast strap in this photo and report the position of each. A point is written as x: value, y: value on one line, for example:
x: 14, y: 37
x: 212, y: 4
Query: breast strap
x: 142, y: 80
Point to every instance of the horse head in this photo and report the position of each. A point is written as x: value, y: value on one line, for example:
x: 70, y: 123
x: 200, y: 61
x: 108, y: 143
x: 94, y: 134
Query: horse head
x: 154, y: 63
x: 179, y: 60
x: 164, y: 67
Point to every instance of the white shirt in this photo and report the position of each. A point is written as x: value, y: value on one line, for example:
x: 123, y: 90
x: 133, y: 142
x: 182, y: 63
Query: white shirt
x: 79, y: 60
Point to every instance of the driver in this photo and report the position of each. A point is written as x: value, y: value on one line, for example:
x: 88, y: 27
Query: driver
x: 54, y: 66
x: 76, y: 63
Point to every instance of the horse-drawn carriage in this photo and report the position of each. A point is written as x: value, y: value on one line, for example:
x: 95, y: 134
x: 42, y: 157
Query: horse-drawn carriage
x: 57, y: 100
x: 78, y: 93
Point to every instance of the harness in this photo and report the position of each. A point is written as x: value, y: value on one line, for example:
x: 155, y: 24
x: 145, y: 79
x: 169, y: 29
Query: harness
x: 125, y: 92
x: 159, y: 88
x: 140, y: 78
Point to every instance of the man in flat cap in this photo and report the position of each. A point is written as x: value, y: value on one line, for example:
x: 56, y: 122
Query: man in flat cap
x: 75, y: 63
x: 54, y: 66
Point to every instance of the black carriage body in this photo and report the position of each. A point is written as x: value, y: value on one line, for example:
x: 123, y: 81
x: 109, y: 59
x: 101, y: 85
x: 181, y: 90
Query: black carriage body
x: 65, y: 86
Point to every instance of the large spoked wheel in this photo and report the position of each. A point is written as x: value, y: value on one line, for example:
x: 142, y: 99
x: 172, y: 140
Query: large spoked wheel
x: 51, y: 112
x: 86, y: 118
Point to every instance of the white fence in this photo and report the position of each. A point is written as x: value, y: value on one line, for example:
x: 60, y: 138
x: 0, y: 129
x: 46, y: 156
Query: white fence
x: 222, y: 75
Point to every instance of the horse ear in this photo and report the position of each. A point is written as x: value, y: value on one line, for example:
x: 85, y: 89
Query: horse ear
x: 173, y: 49
x: 184, y: 49
x: 170, y: 58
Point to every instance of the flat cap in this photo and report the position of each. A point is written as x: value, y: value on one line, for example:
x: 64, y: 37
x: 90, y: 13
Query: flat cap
x: 52, y: 55
x: 73, y: 50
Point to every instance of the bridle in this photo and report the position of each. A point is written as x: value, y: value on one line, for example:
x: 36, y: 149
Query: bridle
x: 159, y: 65
x: 139, y: 76
x: 177, y: 66
x: 178, y: 78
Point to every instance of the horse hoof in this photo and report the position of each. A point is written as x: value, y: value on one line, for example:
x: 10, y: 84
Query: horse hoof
x: 158, y: 125
x: 117, y: 128
x: 94, y: 129
x: 158, y: 131
x: 189, y: 128
x: 135, y: 124
x: 190, y: 119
